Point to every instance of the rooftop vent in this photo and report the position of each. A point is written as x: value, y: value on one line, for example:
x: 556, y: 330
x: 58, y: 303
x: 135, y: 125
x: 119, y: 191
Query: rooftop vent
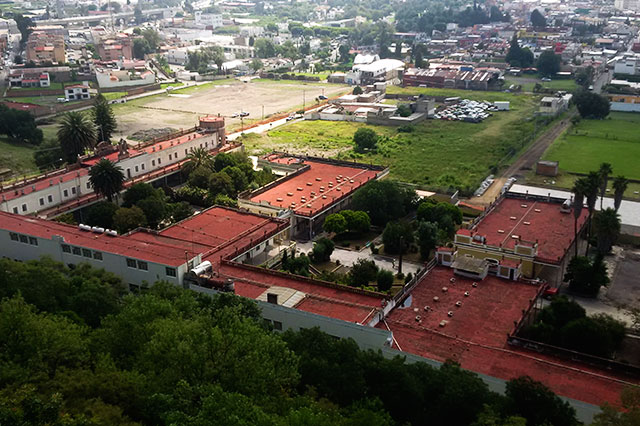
x: 318, y: 179
x: 309, y: 183
x: 442, y: 323
x: 458, y: 303
x: 524, y: 206
x: 272, y: 298
x: 513, y: 218
x: 527, y: 223
x: 450, y: 314
x: 537, y: 210
x: 474, y: 285
x: 515, y: 237
x: 290, y: 194
x: 436, y: 299
x: 500, y: 231
x: 466, y: 294
x: 445, y: 289
x: 299, y: 188
x: 278, y: 199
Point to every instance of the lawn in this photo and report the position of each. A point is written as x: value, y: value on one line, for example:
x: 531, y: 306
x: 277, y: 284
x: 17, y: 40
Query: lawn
x: 567, y: 85
x: 613, y: 140
x: 17, y: 156
x: 438, y: 154
x: 173, y: 84
x: 109, y: 96
x: 205, y: 86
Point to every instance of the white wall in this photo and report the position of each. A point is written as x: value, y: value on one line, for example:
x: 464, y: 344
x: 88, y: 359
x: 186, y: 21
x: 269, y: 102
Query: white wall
x: 115, y: 263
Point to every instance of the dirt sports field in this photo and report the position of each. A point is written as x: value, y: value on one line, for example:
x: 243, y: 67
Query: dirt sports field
x: 181, y: 108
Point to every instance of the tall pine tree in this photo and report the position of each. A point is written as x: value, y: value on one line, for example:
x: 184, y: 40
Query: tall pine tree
x: 103, y: 118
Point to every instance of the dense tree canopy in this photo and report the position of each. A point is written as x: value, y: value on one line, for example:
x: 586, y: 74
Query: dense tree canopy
x: 19, y: 125
x: 384, y: 201
x: 548, y: 63
x: 76, y: 350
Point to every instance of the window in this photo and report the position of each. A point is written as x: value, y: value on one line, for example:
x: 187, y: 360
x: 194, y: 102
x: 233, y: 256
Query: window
x: 171, y: 272
x: 88, y: 185
x: 153, y: 163
x: 169, y: 157
x: 76, y: 250
x: 33, y: 241
x: 186, y: 152
x: 65, y: 193
x: 159, y: 160
x: 143, y: 265
x: 97, y: 255
x: 14, y: 236
x: 66, y: 248
x: 142, y: 166
x: 24, y: 239
x: 277, y: 325
x: 24, y: 207
x: 136, y: 169
x: 73, y: 190
x: 41, y: 201
x: 15, y: 210
x: 86, y: 253
x: 131, y: 263
x: 50, y: 198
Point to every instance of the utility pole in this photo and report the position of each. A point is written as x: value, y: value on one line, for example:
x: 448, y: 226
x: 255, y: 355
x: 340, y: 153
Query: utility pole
x: 303, y: 99
x: 401, y: 251
x: 263, y: 112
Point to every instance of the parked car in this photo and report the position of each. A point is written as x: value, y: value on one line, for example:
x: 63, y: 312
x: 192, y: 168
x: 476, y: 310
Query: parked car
x: 244, y: 114
x: 235, y: 115
x: 322, y: 97
x: 545, y: 79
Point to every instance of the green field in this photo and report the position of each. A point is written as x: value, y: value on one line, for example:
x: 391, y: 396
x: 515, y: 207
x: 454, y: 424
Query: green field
x: 109, y: 96
x: 567, y: 85
x: 614, y: 140
x: 193, y: 89
x: 17, y: 156
x: 437, y: 154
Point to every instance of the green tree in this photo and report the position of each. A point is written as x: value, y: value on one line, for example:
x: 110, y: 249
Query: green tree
x: 128, y: 218
x: 606, y: 225
x: 384, y: 280
x: 604, y: 171
x: 103, y: 118
x: 363, y: 272
x: 200, y: 177
x: 538, y: 404
x: 25, y: 26
x: 397, y: 237
x: 106, y: 178
x: 19, y: 125
x: 357, y: 90
x: 199, y: 157
x: 613, y: 416
x: 357, y: 221
x: 140, y: 48
x: 322, y: 250
x: 537, y: 19
x: 152, y: 37
x: 365, y: 139
x: 101, y: 214
x: 238, y: 177
x: 136, y: 192
x: 48, y: 155
x: 592, y: 105
x: 76, y: 133
x: 384, y: 201
x: 256, y: 64
x: 549, y: 63
x: 335, y: 223
x: 264, y: 48
x: 586, y: 276
x: 590, y: 189
x: 427, y: 236
x: 155, y: 208
x: 404, y: 110
x: 517, y: 56
x: 620, y: 185
x: 343, y: 50
x: 221, y: 183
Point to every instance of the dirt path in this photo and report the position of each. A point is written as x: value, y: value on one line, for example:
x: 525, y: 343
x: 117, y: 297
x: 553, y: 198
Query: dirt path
x: 526, y: 161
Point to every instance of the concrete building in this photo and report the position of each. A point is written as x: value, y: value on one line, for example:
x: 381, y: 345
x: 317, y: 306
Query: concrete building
x: 374, y: 72
x: 627, y: 65
x: 45, y: 193
x: 77, y: 92
x: 554, y: 105
x: 44, y: 48
x: 453, y: 79
x: 625, y: 103
x: 110, y: 78
x: 28, y: 79
x: 311, y: 189
x: 117, y: 47
x: 208, y: 21
x: 522, y: 235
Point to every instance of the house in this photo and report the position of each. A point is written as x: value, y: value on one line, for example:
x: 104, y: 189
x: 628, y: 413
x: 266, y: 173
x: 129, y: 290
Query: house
x: 26, y: 78
x: 554, y: 105
x: 377, y: 71
x: 119, y: 46
x: 109, y: 78
x: 625, y: 103
x: 77, y: 92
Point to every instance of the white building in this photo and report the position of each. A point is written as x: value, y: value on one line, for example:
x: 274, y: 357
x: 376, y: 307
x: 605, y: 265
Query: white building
x: 77, y: 92
x: 382, y: 70
x: 554, y: 105
x: 108, y: 78
x: 46, y: 192
x: 212, y: 20
x: 22, y: 78
x: 627, y: 65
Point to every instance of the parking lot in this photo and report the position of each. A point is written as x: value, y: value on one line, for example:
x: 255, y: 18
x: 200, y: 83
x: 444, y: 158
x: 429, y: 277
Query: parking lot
x: 468, y: 111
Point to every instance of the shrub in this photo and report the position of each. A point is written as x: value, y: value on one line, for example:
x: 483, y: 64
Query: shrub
x: 385, y: 280
x: 362, y: 273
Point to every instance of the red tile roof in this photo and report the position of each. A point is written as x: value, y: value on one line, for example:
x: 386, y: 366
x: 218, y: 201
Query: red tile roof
x: 531, y: 221
x: 476, y: 335
x: 42, y: 183
x: 329, y: 183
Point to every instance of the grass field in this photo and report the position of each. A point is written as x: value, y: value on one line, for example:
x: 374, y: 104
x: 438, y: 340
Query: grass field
x: 437, y: 154
x: 567, y: 85
x: 613, y: 140
x: 113, y: 95
x: 450, y: 93
x: 17, y: 156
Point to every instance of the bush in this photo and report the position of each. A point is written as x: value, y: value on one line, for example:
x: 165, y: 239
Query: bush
x: 404, y: 110
x: 406, y: 129
x: 322, y: 250
x: 365, y: 139
x: 397, y: 237
x: 362, y: 273
x: 385, y: 280
x: 586, y: 276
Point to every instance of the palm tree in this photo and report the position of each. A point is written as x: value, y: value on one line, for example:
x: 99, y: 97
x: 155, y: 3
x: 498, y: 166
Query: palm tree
x: 604, y: 171
x: 199, y: 157
x: 606, y: 224
x: 591, y: 194
x: 620, y: 185
x: 75, y: 134
x: 103, y: 118
x: 579, y: 188
x: 106, y: 178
